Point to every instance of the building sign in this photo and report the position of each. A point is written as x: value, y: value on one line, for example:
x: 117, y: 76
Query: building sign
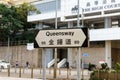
x: 70, y: 7
x: 96, y: 6
x: 61, y: 38
x: 30, y: 46
x: 85, y: 55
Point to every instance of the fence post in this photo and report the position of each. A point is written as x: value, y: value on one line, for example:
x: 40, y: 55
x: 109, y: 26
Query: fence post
x: 8, y: 71
x: 20, y: 72
x: 31, y: 72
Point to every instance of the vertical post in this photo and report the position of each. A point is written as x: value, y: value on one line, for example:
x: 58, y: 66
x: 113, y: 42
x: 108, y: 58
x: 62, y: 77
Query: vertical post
x: 82, y: 15
x: 8, y: 49
x: 32, y: 65
x: 78, y: 21
x: 79, y: 49
x: 21, y: 62
x: 55, y: 66
x: 79, y: 64
x: 8, y: 71
x: 44, y: 64
x: 55, y: 56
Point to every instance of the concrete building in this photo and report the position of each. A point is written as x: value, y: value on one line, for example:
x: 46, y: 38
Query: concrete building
x: 100, y: 16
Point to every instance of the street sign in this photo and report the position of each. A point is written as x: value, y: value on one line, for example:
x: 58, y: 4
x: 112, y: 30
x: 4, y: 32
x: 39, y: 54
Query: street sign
x: 62, y: 38
x: 30, y: 46
x: 85, y: 54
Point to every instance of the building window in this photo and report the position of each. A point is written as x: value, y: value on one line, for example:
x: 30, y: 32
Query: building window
x: 104, y: 1
x: 96, y: 3
x: 88, y: 4
x: 112, y: 1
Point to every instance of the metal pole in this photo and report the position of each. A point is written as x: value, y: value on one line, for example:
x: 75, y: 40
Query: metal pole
x: 55, y: 55
x: 79, y: 50
x: 79, y: 65
x: 78, y: 21
x: 82, y: 18
x: 44, y: 64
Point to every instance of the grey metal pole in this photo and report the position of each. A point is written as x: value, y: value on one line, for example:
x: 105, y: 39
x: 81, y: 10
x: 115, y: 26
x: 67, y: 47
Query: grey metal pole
x: 55, y: 56
x: 79, y: 49
x: 82, y: 18
x: 44, y: 64
x: 78, y: 21
x: 79, y: 64
x: 56, y: 15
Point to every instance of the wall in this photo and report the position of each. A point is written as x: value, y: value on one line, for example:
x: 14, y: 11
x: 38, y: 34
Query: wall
x: 35, y: 57
x: 94, y: 55
x: 21, y: 54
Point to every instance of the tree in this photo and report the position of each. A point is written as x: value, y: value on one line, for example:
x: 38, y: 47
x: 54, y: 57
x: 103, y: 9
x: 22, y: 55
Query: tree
x: 23, y: 10
x: 14, y: 19
x: 10, y: 22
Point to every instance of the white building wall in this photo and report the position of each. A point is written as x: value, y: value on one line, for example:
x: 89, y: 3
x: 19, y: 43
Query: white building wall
x: 105, y: 34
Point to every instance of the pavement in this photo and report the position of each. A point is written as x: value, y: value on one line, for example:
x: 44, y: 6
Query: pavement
x: 62, y: 74
x: 13, y: 78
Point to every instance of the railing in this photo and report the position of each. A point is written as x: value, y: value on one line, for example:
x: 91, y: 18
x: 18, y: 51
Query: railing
x: 61, y: 63
x: 51, y: 63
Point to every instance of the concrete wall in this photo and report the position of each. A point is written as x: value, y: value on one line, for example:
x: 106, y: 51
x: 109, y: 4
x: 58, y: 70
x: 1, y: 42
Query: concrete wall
x: 95, y: 55
x: 35, y: 57
x: 21, y: 54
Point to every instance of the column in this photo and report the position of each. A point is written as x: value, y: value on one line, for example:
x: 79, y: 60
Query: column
x: 108, y: 43
x: 69, y: 54
x: 107, y: 23
x: 108, y: 53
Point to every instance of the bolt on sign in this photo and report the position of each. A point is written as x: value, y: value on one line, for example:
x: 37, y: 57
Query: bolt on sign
x: 62, y: 38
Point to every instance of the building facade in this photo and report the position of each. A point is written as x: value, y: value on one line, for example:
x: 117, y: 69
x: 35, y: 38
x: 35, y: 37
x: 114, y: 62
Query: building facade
x: 101, y: 17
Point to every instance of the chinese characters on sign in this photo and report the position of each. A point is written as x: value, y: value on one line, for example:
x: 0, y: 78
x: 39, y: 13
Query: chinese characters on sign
x: 60, y: 42
x: 61, y: 38
x: 97, y: 2
x: 97, y: 5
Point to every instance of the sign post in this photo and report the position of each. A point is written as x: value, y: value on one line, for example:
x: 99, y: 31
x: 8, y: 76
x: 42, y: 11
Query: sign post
x: 55, y: 56
x: 68, y: 38
x: 44, y: 63
x: 62, y: 38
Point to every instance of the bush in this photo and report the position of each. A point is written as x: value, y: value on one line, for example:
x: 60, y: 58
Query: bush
x: 117, y: 66
x: 91, y: 66
x: 104, y: 66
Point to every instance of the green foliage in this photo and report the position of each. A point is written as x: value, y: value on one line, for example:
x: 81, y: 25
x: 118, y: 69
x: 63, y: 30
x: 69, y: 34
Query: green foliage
x: 27, y: 35
x: 104, y: 66
x: 117, y: 66
x: 10, y: 22
x: 91, y: 66
x: 105, y: 71
x: 23, y: 10
x: 14, y: 21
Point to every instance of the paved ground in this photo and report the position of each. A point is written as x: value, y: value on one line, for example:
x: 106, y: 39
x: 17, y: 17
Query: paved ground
x: 11, y: 78
x: 37, y: 74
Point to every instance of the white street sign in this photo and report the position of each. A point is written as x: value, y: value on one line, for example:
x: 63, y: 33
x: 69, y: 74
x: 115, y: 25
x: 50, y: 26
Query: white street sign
x: 60, y: 38
x: 30, y: 46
